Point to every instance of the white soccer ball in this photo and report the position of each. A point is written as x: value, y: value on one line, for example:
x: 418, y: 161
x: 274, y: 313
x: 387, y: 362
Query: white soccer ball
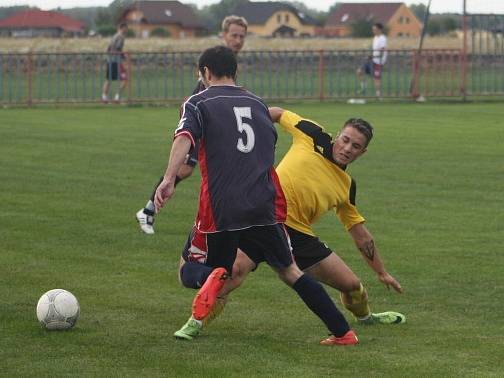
x: 58, y: 309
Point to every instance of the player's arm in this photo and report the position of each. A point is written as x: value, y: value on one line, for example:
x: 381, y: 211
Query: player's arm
x: 179, y: 150
x: 288, y: 121
x: 366, y: 245
x: 275, y: 113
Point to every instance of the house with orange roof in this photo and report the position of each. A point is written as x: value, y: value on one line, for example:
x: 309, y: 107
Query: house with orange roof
x: 397, y: 18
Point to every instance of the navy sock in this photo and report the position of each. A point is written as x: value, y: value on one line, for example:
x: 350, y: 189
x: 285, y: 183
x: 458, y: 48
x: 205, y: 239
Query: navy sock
x: 177, y: 180
x: 317, y: 299
x: 193, y: 275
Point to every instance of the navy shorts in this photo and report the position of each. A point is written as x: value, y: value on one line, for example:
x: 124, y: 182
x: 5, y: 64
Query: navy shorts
x: 261, y: 243
x: 372, y: 69
x: 116, y: 71
x: 308, y: 250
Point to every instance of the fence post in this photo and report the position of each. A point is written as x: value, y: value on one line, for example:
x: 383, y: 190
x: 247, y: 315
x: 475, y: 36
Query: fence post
x: 416, y: 70
x: 463, y: 84
x: 321, y: 75
x: 29, y: 73
x: 129, y: 77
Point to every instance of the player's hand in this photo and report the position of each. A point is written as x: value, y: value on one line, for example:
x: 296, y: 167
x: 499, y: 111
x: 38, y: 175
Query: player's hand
x: 164, y: 192
x: 389, y: 281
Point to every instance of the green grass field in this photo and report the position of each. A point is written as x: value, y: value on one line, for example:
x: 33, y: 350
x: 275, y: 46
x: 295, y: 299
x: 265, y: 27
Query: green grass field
x: 71, y: 179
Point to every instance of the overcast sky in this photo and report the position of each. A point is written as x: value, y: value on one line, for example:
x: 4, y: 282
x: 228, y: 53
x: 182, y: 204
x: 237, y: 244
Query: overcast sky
x: 438, y: 6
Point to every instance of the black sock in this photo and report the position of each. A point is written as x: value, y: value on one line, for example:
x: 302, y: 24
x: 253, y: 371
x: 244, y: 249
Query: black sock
x: 177, y: 180
x: 155, y: 188
x: 317, y: 299
x: 193, y: 275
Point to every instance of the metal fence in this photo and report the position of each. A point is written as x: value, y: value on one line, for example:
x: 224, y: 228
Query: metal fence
x: 274, y: 75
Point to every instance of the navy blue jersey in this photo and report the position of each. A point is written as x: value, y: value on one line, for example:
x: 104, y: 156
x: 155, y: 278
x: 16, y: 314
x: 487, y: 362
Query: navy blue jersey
x: 192, y: 156
x: 236, y: 136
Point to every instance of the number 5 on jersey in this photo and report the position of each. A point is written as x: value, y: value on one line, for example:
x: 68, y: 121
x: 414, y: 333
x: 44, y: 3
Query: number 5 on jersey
x: 240, y: 114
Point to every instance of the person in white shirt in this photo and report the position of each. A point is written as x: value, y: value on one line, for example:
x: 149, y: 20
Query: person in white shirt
x: 374, y: 65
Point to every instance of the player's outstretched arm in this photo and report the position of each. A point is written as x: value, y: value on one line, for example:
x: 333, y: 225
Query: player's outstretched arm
x: 275, y: 113
x: 165, y: 190
x: 366, y: 245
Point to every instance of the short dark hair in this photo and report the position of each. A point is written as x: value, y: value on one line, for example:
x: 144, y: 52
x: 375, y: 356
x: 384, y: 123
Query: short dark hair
x: 220, y: 60
x: 361, y: 126
x: 122, y: 25
x: 379, y: 25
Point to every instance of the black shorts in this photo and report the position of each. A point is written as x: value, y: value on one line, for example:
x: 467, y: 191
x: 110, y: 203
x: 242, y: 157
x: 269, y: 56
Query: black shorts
x: 372, y: 69
x: 115, y: 71
x: 308, y: 250
x: 260, y: 243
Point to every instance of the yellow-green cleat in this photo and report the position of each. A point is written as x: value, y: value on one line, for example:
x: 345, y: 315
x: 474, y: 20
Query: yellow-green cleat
x: 388, y: 317
x: 189, y: 330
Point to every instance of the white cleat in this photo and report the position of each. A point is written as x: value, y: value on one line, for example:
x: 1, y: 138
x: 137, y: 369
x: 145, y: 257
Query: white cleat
x: 145, y: 221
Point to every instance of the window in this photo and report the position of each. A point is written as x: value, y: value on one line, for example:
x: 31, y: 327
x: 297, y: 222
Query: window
x: 279, y: 18
x: 401, y: 20
x: 286, y: 18
x: 407, y: 20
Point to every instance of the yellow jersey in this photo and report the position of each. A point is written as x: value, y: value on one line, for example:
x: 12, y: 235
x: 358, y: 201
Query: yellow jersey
x: 311, y: 180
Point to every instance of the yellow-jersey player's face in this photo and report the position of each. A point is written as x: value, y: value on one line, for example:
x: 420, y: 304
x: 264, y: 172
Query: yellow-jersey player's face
x: 348, y: 145
x: 234, y: 38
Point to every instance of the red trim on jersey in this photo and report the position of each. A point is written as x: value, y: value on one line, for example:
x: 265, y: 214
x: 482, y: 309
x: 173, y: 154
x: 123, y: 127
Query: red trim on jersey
x: 205, y: 219
x: 280, y: 202
x: 186, y: 133
x: 198, y: 251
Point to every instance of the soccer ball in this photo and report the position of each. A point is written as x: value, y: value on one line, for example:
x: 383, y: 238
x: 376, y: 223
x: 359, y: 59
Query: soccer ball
x: 58, y: 309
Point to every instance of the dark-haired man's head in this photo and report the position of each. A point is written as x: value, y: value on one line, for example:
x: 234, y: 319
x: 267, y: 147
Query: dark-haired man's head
x: 378, y: 28
x: 122, y: 27
x: 352, y: 141
x: 217, y: 63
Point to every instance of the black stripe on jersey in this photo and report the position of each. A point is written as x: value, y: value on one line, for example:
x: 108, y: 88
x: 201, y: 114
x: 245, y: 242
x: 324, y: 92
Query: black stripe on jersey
x: 322, y: 142
x: 353, y: 192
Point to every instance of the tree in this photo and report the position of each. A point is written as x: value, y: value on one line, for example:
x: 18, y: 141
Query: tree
x: 362, y: 28
x: 419, y: 10
x: 103, y: 18
x: 86, y: 15
x: 9, y: 11
x: 117, y: 7
x: 212, y: 15
x: 333, y: 7
x: 442, y: 24
x: 319, y: 16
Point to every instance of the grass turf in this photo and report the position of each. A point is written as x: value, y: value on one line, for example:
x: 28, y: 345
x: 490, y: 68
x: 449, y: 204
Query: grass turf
x: 72, y: 179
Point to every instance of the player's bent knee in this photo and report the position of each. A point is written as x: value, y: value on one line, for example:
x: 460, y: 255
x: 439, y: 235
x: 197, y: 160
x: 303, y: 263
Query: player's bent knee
x: 290, y: 274
x: 352, y: 286
x: 193, y: 275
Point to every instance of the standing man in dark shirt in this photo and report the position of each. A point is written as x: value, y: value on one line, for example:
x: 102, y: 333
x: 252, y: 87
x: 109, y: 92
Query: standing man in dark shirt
x: 115, y: 63
x: 234, y: 31
x: 241, y: 202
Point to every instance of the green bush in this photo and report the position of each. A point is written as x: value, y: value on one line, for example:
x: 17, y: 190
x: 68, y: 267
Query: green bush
x: 160, y: 32
x: 362, y: 28
x: 106, y: 30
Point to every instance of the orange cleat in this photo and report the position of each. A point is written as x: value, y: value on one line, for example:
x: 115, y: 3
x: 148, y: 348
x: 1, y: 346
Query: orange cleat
x: 349, y: 338
x: 205, y: 300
